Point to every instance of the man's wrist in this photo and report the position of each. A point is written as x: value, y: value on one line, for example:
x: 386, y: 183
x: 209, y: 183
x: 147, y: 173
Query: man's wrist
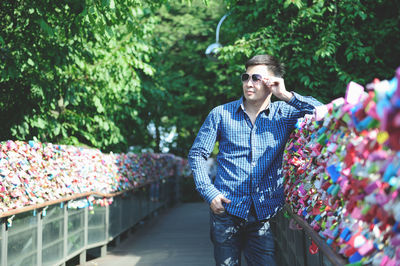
x: 212, y: 195
x: 287, y: 96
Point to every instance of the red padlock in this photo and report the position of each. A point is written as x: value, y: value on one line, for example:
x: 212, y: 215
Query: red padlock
x: 313, y: 248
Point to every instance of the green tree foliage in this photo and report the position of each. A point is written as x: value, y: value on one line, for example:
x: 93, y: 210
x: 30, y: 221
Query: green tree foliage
x: 71, y: 70
x: 189, y: 84
x: 324, y: 44
x: 102, y: 72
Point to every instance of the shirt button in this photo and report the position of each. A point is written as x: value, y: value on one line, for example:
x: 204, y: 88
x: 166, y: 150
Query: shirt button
x: 253, y: 164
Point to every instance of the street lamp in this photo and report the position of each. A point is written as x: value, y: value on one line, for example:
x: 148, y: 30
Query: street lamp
x: 212, y: 49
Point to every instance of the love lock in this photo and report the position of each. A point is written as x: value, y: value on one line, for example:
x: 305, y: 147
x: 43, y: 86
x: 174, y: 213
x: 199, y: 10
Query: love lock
x: 294, y: 226
x: 313, y: 248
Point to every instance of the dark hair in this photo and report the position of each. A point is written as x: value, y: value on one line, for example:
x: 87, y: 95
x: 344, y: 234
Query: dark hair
x: 273, y: 64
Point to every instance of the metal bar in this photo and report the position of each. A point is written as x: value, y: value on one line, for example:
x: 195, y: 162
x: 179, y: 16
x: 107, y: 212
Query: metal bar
x: 107, y: 222
x: 49, y: 244
x: 82, y: 259
x: 304, y: 249
x: 21, y: 230
x: 68, y: 198
x: 65, y: 231
x: 322, y: 245
x: 39, y: 238
x: 95, y: 245
x: 4, y: 243
x: 103, y: 250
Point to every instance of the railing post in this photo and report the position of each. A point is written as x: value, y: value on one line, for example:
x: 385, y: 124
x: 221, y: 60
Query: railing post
x: 103, y: 249
x: 86, y: 223
x: 4, y: 242
x: 39, y: 238
x: 304, y: 243
x: 65, y: 230
x: 82, y: 255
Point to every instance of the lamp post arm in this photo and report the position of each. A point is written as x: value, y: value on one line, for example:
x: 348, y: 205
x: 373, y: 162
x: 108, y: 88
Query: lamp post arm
x: 219, y: 25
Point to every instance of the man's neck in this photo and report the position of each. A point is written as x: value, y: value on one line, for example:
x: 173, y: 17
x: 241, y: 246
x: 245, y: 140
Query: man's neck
x: 255, y: 107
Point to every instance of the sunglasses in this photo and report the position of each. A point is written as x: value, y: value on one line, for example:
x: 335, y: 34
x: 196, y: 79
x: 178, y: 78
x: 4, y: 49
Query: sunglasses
x: 255, y: 77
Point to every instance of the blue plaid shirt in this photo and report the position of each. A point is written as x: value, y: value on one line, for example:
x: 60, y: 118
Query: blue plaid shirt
x: 249, y: 162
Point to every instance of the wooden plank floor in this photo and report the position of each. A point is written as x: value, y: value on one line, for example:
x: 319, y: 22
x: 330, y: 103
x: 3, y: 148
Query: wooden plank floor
x: 178, y: 236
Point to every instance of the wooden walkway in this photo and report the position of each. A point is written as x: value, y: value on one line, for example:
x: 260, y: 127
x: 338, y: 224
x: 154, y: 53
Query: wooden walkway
x: 178, y: 236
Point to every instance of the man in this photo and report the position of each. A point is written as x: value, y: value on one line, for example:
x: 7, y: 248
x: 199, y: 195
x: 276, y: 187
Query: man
x: 248, y: 188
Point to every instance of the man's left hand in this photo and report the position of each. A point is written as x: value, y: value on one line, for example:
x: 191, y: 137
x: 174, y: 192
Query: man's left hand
x: 277, y: 88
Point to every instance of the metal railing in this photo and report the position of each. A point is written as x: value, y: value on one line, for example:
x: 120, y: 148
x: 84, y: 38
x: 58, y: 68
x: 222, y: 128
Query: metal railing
x: 292, y: 246
x: 52, y: 233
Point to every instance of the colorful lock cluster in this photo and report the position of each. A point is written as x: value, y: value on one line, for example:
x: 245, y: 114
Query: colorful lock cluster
x: 33, y: 173
x: 342, y: 173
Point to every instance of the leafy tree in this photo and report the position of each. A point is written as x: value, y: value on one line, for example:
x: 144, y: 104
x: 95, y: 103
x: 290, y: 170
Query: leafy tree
x: 71, y: 70
x: 102, y: 73
x: 324, y: 44
x: 188, y: 84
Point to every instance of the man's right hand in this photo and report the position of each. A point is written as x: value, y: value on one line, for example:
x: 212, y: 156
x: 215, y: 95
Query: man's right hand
x: 216, y: 204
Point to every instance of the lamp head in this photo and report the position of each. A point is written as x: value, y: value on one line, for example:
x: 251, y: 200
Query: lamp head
x: 212, y: 51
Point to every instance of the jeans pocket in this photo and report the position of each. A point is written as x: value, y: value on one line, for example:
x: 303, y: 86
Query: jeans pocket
x: 221, y: 215
x: 223, y: 228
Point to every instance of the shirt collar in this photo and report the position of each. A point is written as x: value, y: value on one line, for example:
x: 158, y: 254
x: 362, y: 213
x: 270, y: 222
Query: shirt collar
x: 240, y: 105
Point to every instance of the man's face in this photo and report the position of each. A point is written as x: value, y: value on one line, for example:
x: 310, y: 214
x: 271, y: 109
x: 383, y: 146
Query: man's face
x: 255, y: 91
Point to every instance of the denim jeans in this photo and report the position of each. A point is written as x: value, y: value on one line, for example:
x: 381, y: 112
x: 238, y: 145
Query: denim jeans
x: 231, y: 235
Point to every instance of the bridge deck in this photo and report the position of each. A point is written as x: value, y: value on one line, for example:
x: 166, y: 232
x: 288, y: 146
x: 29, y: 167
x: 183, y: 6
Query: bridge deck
x: 176, y: 236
